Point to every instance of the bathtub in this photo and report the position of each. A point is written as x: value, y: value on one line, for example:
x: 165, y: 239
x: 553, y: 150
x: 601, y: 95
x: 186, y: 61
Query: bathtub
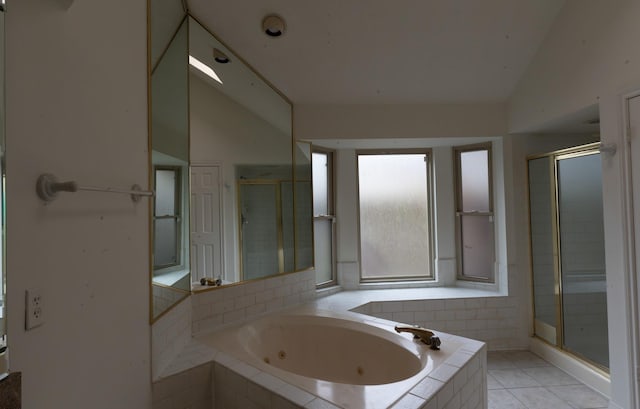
x: 348, y: 359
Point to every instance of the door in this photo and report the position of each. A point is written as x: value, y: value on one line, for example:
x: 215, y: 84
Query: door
x: 206, y: 226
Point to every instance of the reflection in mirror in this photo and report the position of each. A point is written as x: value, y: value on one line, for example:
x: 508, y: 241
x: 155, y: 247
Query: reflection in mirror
x: 3, y: 287
x: 303, y: 206
x: 170, y: 170
x: 223, y: 169
x: 241, y: 126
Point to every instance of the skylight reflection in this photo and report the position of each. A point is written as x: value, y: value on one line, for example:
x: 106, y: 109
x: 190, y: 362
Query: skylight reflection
x: 204, y: 68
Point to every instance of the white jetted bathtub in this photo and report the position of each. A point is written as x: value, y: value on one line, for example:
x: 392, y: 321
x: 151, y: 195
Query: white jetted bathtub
x: 349, y: 359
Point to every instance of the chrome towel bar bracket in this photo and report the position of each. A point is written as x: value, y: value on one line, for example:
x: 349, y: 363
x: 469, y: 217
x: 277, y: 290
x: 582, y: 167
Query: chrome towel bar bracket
x: 47, y: 188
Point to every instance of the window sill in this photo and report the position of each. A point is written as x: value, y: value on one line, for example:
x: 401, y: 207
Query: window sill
x: 355, y: 298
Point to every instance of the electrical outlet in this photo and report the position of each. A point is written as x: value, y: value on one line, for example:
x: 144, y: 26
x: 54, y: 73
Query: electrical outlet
x: 34, y: 310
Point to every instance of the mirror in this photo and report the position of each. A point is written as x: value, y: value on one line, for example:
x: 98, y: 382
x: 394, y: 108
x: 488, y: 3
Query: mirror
x: 169, y: 157
x: 240, y: 130
x: 303, y: 206
x: 3, y: 282
x: 233, y: 193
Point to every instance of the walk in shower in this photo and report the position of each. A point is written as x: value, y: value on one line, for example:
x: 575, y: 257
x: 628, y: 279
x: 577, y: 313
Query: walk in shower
x: 567, y: 252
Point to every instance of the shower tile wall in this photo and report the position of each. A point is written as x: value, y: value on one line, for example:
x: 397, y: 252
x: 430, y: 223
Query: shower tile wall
x: 493, y: 320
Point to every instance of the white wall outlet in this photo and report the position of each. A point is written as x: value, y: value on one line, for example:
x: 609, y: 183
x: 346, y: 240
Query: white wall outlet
x: 34, y: 310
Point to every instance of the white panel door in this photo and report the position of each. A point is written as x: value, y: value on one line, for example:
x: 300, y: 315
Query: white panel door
x: 206, y: 226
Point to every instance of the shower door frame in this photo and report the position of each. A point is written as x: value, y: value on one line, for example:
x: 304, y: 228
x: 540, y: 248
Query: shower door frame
x: 554, y: 158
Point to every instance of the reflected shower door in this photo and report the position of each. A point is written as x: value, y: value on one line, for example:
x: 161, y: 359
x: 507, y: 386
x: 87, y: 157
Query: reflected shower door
x: 260, y: 236
x: 582, y: 265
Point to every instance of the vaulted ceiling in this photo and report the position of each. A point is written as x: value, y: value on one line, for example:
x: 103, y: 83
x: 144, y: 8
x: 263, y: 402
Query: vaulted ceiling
x: 386, y: 52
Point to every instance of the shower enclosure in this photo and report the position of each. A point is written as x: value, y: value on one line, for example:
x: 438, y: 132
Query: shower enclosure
x: 567, y: 252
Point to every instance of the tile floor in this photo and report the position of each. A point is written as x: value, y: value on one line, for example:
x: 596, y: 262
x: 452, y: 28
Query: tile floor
x: 522, y: 380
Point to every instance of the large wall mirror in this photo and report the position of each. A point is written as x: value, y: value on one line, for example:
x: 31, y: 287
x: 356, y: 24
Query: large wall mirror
x: 3, y: 275
x: 233, y: 190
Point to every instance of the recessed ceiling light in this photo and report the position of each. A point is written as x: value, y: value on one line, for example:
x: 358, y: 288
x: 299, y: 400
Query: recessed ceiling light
x: 204, y: 68
x: 273, y: 25
x: 220, y: 57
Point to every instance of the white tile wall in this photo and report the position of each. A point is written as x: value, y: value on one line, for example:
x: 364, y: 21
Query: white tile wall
x: 240, y: 303
x: 206, y: 311
x: 492, y: 320
x: 164, y: 298
x: 169, y: 335
x: 190, y: 389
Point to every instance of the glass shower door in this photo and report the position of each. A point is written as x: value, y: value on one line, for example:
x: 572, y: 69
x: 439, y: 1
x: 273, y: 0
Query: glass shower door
x: 581, y: 227
x: 567, y: 252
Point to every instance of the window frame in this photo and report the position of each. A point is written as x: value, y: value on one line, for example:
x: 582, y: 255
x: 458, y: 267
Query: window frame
x: 430, y: 267
x: 331, y: 210
x: 457, y: 151
x: 177, y: 216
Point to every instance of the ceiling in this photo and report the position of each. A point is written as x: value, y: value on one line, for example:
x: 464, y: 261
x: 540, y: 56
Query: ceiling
x: 386, y: 52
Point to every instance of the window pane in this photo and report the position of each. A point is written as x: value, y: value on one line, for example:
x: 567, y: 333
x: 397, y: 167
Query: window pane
x: 323, y: 250
x: 165, y: 245
x: 320, y: 184
x: 394, y: 222
x: 304, y: 229
x: 165, y: 192
x: 477, y: 246
x: 474, y: 174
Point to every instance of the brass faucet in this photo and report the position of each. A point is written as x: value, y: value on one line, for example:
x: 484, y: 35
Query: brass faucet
x: 424, y: 334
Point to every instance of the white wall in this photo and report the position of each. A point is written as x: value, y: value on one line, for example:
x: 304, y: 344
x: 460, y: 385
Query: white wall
x: 77, y: 107
x: 399, y: 121
x: 591, y: 55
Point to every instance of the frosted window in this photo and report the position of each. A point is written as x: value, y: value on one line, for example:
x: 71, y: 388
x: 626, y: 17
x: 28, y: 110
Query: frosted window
x: 477, y: 246
x: 394, y: 216
x: 320, y: 184
x: 166, y: 219
x: 303, y: 225
x: 165, y: 192
x: 474, y: 173
x: 165, y: 242
x: 322, y: 234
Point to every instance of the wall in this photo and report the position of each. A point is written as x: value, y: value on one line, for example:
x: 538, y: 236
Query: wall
x: 399, y: 121
x: 77, y: 107
x: 591, y: 56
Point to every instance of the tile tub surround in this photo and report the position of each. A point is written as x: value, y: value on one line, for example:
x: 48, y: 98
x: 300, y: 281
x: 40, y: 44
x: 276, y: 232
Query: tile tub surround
x: 460, y: 382
x: 195, y: 353
x: 493, y: 320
